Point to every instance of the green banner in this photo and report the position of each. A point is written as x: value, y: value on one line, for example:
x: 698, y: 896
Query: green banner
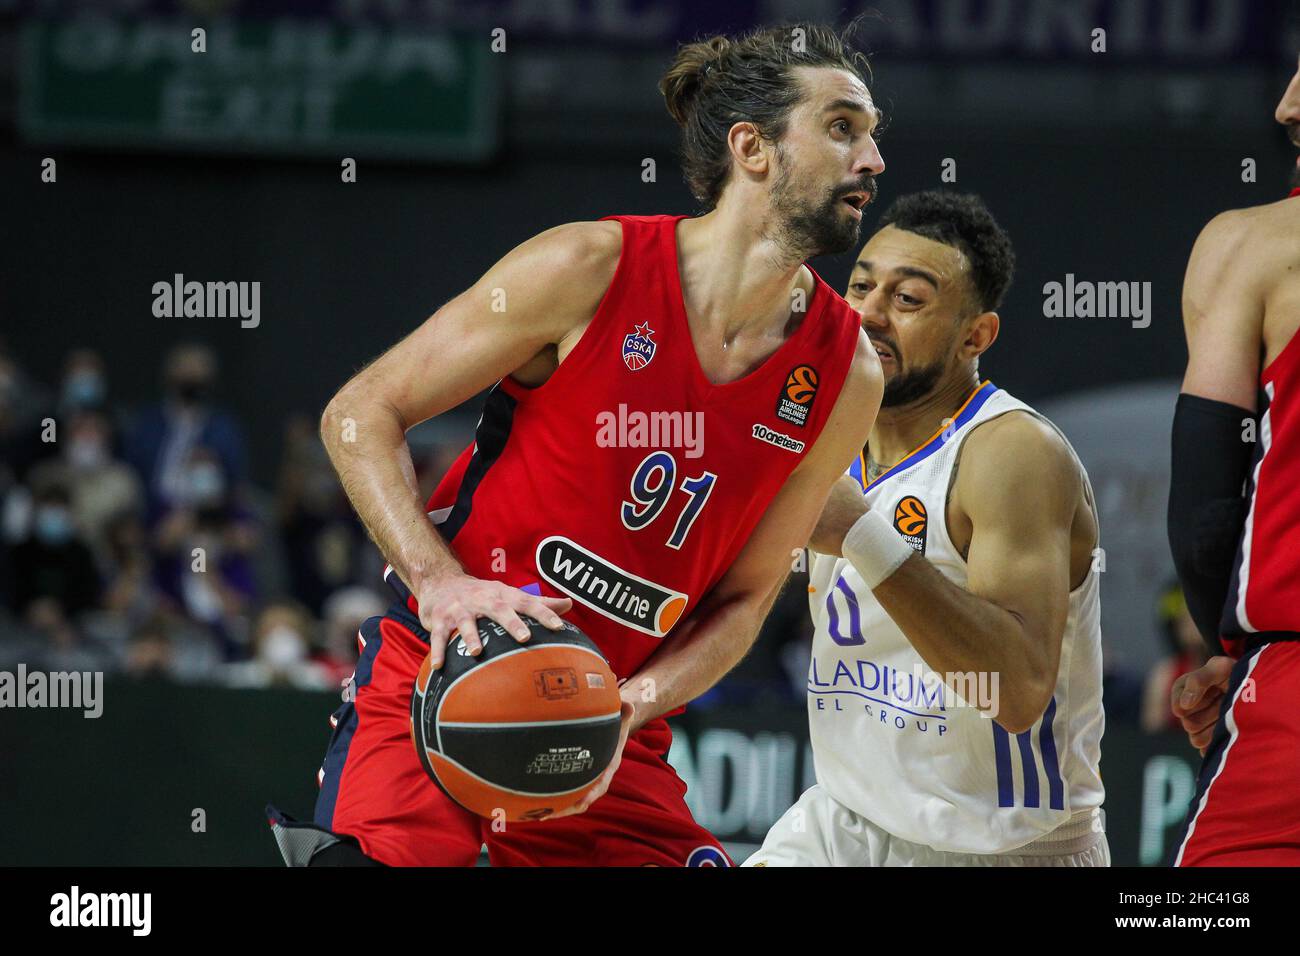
x: 295, y: 87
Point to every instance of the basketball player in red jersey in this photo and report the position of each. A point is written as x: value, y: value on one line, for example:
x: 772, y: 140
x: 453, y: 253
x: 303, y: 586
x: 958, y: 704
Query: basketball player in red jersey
x: 746, y: 386
x: 1238, y: 426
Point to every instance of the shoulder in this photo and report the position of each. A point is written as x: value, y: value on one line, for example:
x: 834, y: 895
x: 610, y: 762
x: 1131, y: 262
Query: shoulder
x: 1243, y: 242
x: 1237, y: 259
x: 865, y: 381
x: 1017, y: 432
x: 1226, y: 230
x: 1016, y: 448
x: 557, y: 277
x: 1272, y: 232
x: 601, y: 238
x: 854, y: 411
x: 589, y: 249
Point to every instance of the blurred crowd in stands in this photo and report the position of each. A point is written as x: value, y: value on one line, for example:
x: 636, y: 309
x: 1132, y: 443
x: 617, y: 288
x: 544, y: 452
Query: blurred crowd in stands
x: 132, y: 541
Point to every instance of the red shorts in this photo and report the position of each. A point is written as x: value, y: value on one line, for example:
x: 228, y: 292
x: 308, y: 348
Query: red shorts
x: 374, y: 789
x: 1246, y: 811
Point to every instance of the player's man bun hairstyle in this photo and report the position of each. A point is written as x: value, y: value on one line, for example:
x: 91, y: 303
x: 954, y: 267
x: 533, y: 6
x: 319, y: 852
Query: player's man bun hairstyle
x: 685, y: 77
x: 963, y: 221
x: 715, y: 83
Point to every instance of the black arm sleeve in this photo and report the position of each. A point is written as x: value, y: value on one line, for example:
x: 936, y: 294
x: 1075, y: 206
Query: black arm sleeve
x: 1207, y: 509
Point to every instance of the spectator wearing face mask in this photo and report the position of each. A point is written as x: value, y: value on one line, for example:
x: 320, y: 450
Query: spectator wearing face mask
x: 53, y: 562
x: 24, y: 404
x: 130, y: 592
x: 84, y: 387
x: 281, y: 652
x: 85, y: 383
x: 203, y: 552
x: 323, y: 540
x: 160, y: 441
x: 100, y: 486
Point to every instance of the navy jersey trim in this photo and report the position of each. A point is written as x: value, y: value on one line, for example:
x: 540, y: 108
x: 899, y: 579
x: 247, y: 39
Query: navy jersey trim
x: 346, y: 722
x: 490, y: 439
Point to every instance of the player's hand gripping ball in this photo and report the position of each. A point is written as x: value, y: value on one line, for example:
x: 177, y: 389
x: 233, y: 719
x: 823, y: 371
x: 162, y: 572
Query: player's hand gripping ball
x: 521, y: 729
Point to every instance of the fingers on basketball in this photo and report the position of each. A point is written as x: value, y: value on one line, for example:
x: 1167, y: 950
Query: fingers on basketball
x: 437, y: 651
x: 506, y: 616
x: 538, y: 610
x: 548, y: 610
x: 467, y: 631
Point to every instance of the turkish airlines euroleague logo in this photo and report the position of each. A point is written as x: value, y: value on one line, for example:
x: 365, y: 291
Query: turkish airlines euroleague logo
x: 910, y: 521
x: 797, y: 396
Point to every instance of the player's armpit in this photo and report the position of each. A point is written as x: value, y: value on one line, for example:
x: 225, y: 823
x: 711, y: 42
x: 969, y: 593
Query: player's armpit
x: 1223, y: 314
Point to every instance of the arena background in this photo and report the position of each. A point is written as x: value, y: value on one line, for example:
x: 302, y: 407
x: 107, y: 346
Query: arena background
x: 228, y: 166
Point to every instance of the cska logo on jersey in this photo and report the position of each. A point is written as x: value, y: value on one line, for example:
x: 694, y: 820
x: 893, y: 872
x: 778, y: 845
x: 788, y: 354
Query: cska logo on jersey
x: 638, y: 350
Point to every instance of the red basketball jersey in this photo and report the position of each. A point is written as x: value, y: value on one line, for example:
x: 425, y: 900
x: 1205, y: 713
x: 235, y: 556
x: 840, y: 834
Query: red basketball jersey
x: 1264, y: 593
x: 627, y: 481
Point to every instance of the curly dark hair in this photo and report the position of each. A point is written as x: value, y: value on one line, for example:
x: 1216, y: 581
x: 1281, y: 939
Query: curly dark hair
x: 963, y: 221
x: 716, y: 83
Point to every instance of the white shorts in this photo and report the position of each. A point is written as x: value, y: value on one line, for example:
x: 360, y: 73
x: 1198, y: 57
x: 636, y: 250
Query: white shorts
x: 820, y: 831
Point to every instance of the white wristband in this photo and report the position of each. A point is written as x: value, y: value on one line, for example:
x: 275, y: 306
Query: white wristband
x: 875, y: 549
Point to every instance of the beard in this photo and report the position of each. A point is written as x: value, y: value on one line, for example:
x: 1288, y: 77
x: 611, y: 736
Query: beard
x: 911, y: 385
x: 808, y: 228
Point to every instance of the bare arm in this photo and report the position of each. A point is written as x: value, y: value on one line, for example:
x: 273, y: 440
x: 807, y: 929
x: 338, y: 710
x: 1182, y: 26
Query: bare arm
x: 1223, y: 315
x: 1223, y: 319
x: 844, y: 506
x: 539, y: 295
x: 1019, y: 486
x: 719, y: 632
x: 1223, y: 310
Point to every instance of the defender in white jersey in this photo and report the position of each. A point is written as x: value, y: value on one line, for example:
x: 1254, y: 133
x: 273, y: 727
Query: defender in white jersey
x: 954, y: 693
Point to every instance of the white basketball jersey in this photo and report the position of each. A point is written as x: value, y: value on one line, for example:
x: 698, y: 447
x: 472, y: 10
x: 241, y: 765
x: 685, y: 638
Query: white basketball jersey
x: 891, y: 741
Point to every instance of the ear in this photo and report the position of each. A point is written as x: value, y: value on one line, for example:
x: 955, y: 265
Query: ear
x: 980, y: 334
x: 748, y: 148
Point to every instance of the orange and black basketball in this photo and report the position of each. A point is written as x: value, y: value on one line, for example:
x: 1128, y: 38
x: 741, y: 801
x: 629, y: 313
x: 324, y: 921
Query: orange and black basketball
x: 522, y: 729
